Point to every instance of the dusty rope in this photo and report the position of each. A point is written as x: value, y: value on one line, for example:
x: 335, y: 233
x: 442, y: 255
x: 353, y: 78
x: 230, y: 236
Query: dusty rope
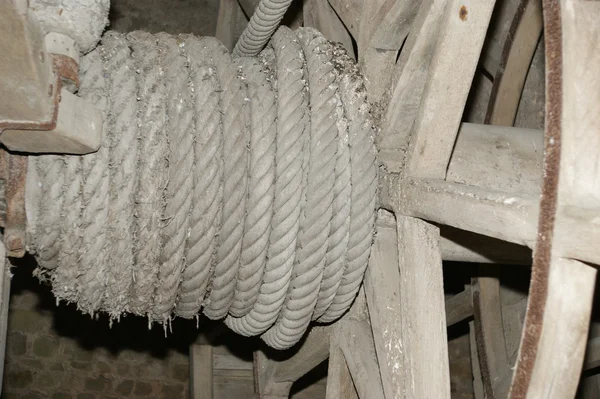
x: 241, y: 188
x: 264, y: 21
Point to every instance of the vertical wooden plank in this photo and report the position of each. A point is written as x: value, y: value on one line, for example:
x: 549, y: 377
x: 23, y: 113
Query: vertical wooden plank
x: 201, y: 372
x: 339, y: 381
x: 275, y: 377
x: 424, y: 340
x: 455, y: 59
x: 227, y: 18
x: 382, y: 285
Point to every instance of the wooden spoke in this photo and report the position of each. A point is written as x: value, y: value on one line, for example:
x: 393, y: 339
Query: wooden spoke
x: 410, y: 76
x: 463, y: 29
x: 519, y: 46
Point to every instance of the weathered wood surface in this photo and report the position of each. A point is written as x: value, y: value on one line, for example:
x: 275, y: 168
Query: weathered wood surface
x: 459, y: 307
x: 489, y: 333
x: 563, y: 340
x: 491, y: 213
x: 477, y: 379
x: 554, y: 339
x: 425, y: 367
x: 339, y: 380
x: 356, y: 343
x: 350, y: 12
x: 506, y: 159
x: 509, y: 77
x: 465, y: 246
x: 201, y: 372
x: 409, y: 79
x: 275, y: 377
x: 382, y: 285
x: 463, y: 29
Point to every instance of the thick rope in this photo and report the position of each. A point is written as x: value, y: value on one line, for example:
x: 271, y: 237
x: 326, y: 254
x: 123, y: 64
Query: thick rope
x: 244, y: 188
x: 149, y: 199
x: 315, y: 224
x: 234, y: 105
x: 261, y: 187
x: 94, y: 193
x: 363, y: 183
x: 292, y: 127
x: 207, y: 195
x: 122, y: 121
x: 179, y: 133
x: 260, y: 28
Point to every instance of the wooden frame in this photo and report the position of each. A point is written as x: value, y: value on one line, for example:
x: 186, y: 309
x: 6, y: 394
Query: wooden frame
x: 439, y: 173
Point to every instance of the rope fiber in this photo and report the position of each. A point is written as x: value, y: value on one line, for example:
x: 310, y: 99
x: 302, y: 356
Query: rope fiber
x: 242, y: 188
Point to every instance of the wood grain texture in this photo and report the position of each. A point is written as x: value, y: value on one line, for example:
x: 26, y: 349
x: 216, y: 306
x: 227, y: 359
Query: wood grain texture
x: 463, y: 29
x: 201, y: 372
x: 424, y: 342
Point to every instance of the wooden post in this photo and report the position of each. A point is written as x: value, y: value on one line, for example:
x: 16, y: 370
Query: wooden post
x: 201, y: 372
x: 423, y: 315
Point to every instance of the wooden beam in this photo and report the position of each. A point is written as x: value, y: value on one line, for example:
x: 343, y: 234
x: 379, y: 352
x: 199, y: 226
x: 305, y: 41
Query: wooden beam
x: 459, y: 307
x: 464, y: 26
x: 465, y: 246
x: 201, y: 372
x: 494, y: 214
x: 275, y: 376
x: 409, y: 78
x: 339, y: 380
x: 425, y: 345
x: 500, y: 158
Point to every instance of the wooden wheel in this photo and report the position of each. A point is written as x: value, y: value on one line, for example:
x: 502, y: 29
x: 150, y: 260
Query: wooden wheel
x: 457, y: 191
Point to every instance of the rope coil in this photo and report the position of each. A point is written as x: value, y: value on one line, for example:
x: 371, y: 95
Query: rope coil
x: 243, y: 188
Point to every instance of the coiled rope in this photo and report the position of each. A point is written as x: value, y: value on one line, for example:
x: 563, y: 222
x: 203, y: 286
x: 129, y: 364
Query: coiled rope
x: 242, y: 188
